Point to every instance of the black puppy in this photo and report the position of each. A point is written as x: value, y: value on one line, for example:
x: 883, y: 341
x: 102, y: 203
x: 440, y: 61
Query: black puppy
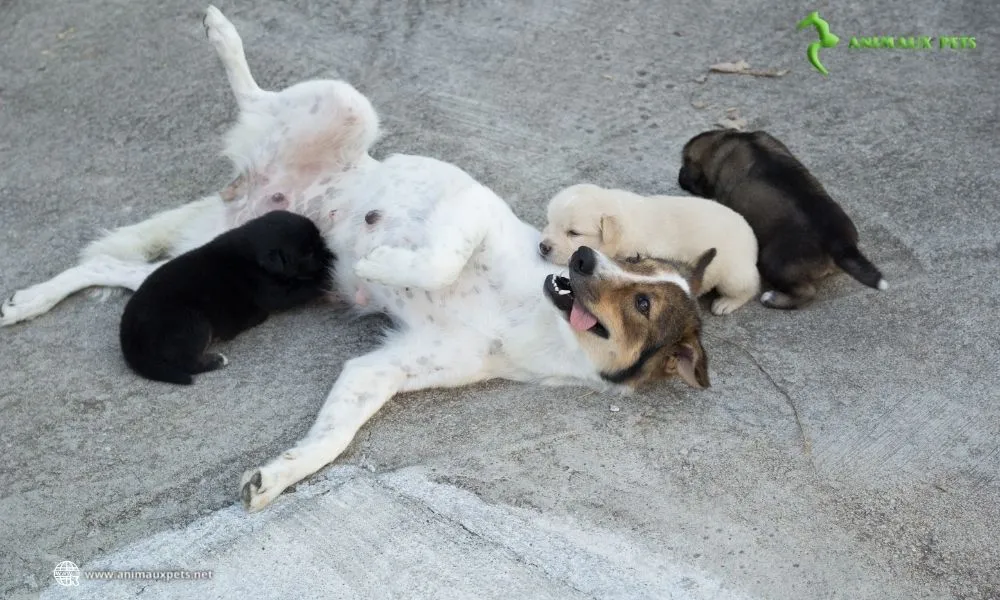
x: 801, y: 231
x: 219, y: 290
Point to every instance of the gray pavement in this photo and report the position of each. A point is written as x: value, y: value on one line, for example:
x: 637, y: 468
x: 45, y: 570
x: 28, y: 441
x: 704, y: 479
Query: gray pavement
x: 849, y: 450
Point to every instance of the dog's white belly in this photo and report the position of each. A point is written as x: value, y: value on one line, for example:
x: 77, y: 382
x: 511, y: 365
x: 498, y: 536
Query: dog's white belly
x: 393, y: 204
x: 495, y: 309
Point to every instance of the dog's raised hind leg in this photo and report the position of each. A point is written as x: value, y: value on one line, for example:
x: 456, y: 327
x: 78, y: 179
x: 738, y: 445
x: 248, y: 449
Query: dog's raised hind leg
x: 102, y: 271
x: 228, y: 44
x: 407, y: 363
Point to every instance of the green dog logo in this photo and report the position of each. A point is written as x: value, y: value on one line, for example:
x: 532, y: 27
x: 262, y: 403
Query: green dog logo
x: 826, y: 39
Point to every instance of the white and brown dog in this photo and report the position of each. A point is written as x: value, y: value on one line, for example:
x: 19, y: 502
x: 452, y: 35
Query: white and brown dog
x: 620, y: 223
x: 419, y: 240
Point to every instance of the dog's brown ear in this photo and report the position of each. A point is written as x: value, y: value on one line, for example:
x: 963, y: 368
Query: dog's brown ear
x: 691, y: 362
x: 611, y: 234
x: 698, y: 273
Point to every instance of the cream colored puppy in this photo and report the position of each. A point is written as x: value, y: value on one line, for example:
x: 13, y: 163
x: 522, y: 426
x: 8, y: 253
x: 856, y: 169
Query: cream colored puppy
x: 621, y: 224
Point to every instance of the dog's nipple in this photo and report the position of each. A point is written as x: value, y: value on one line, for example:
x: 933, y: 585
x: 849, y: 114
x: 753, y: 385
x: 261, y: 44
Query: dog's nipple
x: 372, y: 217
x: 360, y: 297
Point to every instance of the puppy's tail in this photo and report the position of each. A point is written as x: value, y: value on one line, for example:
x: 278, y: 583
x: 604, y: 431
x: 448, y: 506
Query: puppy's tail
x: 855, y: 264
x: 161, y: 235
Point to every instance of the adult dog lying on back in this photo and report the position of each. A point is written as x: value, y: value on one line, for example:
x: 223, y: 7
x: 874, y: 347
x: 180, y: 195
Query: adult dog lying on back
x: 421, y: 241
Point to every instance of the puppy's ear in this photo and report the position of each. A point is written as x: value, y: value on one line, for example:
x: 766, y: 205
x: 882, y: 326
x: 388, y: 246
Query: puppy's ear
x: 274, y: 261
x: 698, y: 274
x: 690, y: 362
x: 611, y: 234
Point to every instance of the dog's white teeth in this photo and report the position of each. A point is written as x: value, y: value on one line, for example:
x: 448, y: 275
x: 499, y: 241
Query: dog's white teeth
x: 563, y: 292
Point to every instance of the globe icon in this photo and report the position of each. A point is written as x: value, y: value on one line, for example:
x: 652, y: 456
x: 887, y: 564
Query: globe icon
x: 67, y: 573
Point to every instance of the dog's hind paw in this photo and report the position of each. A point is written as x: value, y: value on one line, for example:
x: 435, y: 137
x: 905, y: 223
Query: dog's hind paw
x: 257, y: 490
x: 24, y: 305
x: 220, y: 31
x: 4, y: 309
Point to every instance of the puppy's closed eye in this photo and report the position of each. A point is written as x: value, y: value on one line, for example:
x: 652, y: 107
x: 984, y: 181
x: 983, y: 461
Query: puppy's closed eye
x: 573, y: 233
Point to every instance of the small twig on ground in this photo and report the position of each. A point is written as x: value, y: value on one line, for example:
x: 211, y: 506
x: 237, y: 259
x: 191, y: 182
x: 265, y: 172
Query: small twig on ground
x: 732, y: 120
x: 742, y: 67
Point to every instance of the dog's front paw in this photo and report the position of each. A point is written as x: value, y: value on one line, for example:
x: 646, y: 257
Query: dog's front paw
x: 24, y: 305
x: 258, y: 489
x: 386, y: 265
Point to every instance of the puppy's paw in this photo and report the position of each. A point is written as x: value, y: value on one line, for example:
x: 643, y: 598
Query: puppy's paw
x: 779, y: 300
x: 258, y: 489
x: 386, y: 265
x: 215, y: 360
x: 24, y: 305
x: 723, y: 305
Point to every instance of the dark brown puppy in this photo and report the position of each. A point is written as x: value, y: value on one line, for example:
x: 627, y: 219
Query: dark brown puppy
x: 801, y: 232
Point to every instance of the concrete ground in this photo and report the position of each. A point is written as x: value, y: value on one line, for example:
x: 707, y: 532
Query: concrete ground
x: 848, y: 450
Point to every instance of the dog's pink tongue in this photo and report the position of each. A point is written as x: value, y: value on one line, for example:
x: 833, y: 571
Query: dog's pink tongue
x: 580, y: 319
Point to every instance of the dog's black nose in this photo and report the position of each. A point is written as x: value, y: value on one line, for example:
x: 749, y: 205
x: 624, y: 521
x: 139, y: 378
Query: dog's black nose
x: 583, y: 261
x: 544, y: 248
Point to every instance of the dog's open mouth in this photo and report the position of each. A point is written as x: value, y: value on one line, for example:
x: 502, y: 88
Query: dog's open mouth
x: 560, y: 292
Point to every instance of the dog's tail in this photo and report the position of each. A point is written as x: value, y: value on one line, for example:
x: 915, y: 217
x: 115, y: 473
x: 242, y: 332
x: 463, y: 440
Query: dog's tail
x: 163, y: 235
x: 854, y: 263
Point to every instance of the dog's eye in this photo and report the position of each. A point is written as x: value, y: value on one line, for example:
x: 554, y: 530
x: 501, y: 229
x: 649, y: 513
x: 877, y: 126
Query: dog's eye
x: 572, y: 233
x: 642, y: 304
x: 634, y: 259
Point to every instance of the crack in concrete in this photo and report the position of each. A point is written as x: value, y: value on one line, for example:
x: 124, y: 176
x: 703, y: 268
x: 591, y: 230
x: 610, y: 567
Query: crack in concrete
x: 806, y: 443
